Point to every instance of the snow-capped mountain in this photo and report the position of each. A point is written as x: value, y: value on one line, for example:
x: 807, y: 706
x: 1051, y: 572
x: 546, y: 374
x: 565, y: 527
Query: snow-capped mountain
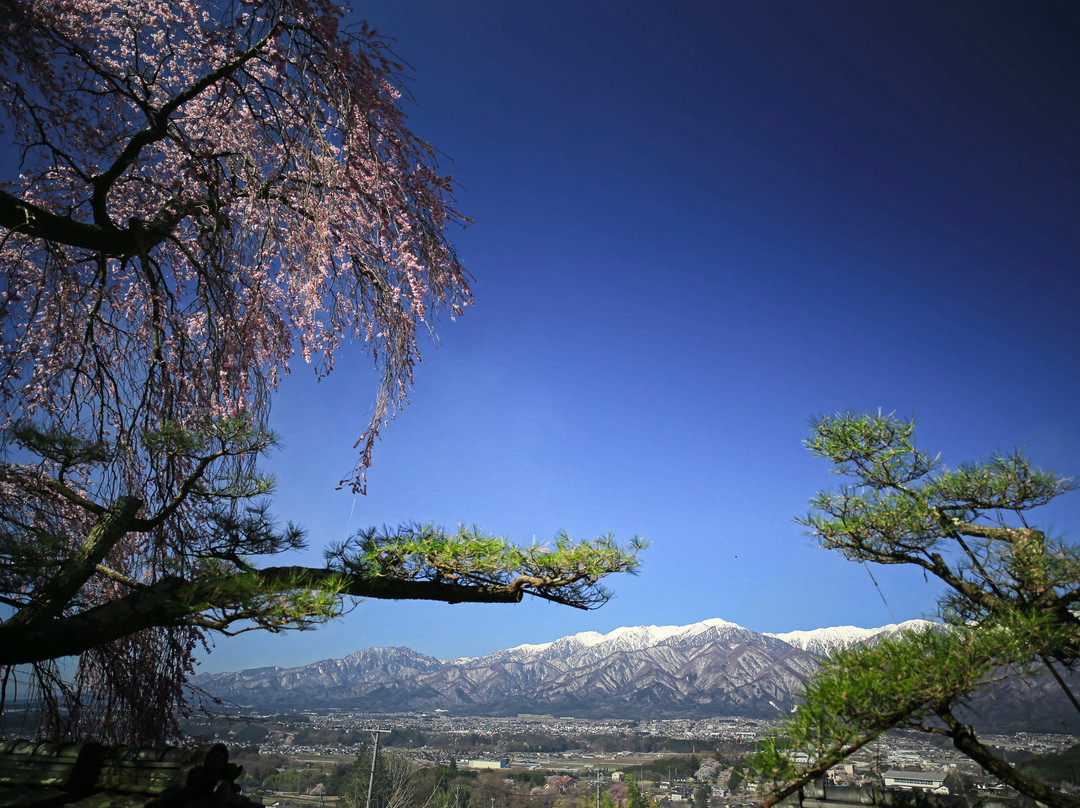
x: 590, y: 646
x: 710, y: 668
x: 630, y: 638
x: 826, y: 641
x: 713, y: 667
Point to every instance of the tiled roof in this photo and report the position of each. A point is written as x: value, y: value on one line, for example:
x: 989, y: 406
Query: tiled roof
x: 59, y: 775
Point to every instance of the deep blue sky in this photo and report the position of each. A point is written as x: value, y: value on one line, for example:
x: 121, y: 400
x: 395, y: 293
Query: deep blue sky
x: 697, y: 225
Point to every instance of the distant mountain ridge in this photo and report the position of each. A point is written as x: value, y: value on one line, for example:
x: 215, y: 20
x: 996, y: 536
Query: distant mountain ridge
x: 826, y: 641
x: 710, y: 668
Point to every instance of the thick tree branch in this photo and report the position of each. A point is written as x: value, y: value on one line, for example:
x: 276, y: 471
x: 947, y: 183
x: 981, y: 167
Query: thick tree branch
x: 820, y: 768
x: 103, y: 238
x: 53, y: 598
x: 1002, y: 534
x: 386, y: 588
x: 27, y: 218
x: 177, y: 601
x: 964, y: 740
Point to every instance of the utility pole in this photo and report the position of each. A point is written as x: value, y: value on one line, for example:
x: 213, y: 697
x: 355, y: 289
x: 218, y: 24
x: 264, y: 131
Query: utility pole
x: 374, y: 757
x: 597, y: 788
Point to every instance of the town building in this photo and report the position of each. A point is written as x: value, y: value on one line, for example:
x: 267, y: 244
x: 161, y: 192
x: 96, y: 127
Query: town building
x: 932, y: 782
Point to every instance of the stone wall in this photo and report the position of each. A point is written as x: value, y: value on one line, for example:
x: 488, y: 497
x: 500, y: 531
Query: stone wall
x: 85, y: 775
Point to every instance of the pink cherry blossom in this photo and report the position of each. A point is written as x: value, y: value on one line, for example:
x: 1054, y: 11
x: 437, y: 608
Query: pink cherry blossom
x: 204, y: 191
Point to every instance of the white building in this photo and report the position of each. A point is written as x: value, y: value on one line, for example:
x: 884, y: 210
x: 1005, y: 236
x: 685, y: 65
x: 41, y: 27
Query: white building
x: 933, y: 782
x: 502, y: 763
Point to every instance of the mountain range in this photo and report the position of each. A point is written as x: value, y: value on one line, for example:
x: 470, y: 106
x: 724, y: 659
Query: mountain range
x: 710, y: 668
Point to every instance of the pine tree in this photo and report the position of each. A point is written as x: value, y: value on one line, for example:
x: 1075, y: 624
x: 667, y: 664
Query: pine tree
x: 1010, y: 606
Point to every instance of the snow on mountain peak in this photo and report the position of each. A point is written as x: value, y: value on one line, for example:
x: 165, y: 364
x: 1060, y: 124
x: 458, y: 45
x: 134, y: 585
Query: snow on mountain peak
x: 826, y: 640
x: 626, y: 637
x: 822, y: 641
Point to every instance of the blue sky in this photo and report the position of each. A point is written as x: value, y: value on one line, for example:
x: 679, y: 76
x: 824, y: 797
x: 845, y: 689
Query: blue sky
x: 698, y: 225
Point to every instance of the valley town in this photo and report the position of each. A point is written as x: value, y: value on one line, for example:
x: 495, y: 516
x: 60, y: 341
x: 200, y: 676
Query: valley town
x: 309, y: 758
